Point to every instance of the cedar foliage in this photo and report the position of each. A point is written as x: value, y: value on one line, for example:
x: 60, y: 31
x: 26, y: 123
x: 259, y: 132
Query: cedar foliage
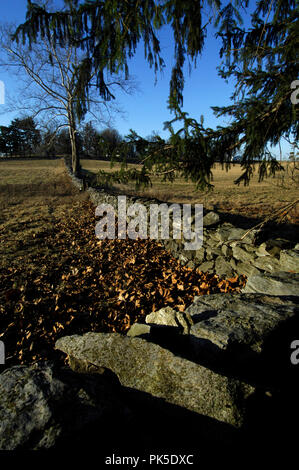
x: 263, y: 61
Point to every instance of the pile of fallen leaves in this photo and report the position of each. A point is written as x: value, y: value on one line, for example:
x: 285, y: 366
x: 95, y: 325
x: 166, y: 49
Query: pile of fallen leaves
x: 78, y: 283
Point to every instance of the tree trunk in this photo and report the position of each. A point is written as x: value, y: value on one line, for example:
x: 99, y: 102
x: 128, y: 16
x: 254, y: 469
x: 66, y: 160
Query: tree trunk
x: 75, y: 156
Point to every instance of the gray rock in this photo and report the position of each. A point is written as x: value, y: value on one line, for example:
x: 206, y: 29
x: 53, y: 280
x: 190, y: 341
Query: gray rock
x: 171, y: 245
x: 189, y: 254
x: 211, y: 234
x: 183, y: 259
x: 239, y: 324
x: 210, y: 255
x: 210, y: 240
x: 247, y: 269
x: 228, y: 232
x: 233, y: 264
x: 212, y: 218
x: 289, y: 260
x: 249, y: 247
x: 213, y: 251
x: 138, y: 329
x: 227, y: 251
x: 275, y: 251
x: 223, y: 267
x: 41, y: 407
x: 267, y: 263
x: 148, y: 367
x: 208, y: 266
x: 199, y: 255
x: 242, y: 255
x: 262, y: 251
x: 21, y: 389
x: 169, y: 316
x: 279, y: 283
x: 191, y: 265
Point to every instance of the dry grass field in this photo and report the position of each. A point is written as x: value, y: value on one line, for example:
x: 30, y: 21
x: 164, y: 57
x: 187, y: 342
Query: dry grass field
x: 256, y: 201
x: 33, y: 195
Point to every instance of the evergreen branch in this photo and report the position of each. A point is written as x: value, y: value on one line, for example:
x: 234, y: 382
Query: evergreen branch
x: 264, y: 27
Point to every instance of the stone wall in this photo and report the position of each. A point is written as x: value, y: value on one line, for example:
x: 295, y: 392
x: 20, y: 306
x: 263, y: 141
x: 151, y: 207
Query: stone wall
x: 271, y: 264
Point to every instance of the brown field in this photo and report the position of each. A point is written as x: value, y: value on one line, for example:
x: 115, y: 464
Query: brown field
x: 32, y: 196
x: 256, y: 201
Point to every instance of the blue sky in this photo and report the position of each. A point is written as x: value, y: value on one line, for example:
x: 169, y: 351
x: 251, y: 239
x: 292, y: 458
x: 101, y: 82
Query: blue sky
x: 146, y: 110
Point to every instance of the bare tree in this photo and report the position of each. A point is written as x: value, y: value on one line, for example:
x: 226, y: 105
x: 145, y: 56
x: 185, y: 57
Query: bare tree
x: 48, y: 77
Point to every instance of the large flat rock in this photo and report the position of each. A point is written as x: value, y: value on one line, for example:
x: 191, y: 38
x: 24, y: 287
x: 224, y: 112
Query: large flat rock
x: 278, y: 283
x: 267, y: 263
x: 148, y: 367
x: 240, y: 326
x: 289, y: 260
x: 41, y: 407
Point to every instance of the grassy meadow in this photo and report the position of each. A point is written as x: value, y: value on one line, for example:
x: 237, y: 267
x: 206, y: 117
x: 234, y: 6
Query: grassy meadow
x: 256, y: 201
x: 33, y: 195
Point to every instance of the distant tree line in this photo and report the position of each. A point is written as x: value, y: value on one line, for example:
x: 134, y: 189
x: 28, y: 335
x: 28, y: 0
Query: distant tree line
x: 23, y: 138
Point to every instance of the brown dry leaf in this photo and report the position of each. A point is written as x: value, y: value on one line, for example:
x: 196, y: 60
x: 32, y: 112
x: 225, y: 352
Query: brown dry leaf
x: 181, y: 308
x: 204, y: 285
